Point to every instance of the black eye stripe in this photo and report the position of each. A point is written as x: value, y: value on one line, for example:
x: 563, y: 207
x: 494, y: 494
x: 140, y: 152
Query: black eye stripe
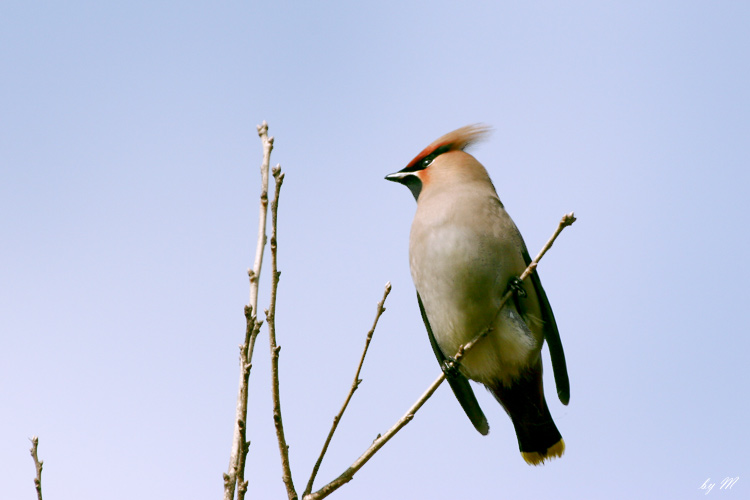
x: 428, y: 159
x: 425, y: 162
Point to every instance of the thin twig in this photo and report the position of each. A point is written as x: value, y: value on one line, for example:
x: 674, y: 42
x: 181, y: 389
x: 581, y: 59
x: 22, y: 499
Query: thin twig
x: 262, y: 213
x: 355, y: 385
x: 252, y: 329
x: 566, y: 221
x: 234, y: 478
x: 271, y: 322
x: 38, y: 464
x: 348, y: 474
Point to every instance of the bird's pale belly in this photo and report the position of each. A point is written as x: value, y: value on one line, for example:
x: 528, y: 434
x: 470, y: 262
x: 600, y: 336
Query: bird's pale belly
x: 464, y: 301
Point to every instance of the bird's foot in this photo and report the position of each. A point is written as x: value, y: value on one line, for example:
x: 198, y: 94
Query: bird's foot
x: 515, y: 285
x: 450, y: 367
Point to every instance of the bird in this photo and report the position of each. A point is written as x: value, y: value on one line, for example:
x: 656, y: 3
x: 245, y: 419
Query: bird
x: 465, y: 252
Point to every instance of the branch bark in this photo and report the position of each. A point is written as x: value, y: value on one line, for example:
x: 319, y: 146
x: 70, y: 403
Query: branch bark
x: 235, y: 476
x: 262, y: 214
x: 355, y: 385
x: 275, y: 349
x: 38, y: 464
x: 380, y: 441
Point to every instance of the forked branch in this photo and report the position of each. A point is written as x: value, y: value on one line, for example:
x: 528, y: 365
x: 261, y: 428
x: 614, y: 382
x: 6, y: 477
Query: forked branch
x: 348, y: 474
x: 355, y: 385
x: 235, y: 476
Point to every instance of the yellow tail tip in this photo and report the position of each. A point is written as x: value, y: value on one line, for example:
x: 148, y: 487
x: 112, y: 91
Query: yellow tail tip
x: 538, y: 458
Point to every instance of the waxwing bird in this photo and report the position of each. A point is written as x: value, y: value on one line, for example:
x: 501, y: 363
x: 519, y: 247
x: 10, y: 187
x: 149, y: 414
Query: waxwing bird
x: 464, y: 253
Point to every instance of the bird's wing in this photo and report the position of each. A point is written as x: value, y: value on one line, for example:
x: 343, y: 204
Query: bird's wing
x: 457, y: 381
x: 552, y: 335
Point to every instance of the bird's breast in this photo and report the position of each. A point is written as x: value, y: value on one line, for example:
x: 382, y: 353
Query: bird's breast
x: 459, y: 274
x: 461, y: 269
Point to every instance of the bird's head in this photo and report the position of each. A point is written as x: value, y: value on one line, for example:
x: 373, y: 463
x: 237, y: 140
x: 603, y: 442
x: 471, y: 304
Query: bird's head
x: 444, y: 161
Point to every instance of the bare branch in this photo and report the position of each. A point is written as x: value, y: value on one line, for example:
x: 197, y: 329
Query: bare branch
x: 271, y: 321
x: 38, y: 464
x: 252, y: 329
x: 262, y: 214
x: 567, y: 220
x: 235, y: 476
x: 355, y: 385
x: 380, y: 441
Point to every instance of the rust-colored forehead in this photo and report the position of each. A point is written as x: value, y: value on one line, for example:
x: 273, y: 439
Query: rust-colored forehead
x: 459, y: 139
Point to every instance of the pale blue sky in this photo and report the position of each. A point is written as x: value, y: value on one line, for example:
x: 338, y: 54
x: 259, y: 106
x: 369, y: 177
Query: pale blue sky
x: 128, y: 194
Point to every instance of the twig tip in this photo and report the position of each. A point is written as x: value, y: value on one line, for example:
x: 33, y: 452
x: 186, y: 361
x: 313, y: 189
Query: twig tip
x: 568, y: 219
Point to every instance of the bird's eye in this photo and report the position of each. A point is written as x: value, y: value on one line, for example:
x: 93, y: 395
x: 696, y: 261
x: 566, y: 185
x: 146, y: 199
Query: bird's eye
x: 427, y: 160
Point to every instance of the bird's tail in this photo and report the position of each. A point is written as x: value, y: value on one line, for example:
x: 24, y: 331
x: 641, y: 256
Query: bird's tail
x: 523, y: 400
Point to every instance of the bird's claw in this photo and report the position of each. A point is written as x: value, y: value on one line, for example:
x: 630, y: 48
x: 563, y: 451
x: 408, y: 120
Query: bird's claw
x: 450, y: 367
x: 515, y: 285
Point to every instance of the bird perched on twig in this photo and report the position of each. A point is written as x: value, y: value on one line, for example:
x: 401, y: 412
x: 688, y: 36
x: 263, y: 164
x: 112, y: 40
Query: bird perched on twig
x: 464, y: 254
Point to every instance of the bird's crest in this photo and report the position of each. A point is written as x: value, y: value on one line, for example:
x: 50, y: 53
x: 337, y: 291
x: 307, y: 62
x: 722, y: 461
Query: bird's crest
x: 457, y: 140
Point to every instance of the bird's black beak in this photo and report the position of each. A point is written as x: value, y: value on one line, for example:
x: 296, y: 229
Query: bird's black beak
x: 408, y: 179
x: 397, y: 177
